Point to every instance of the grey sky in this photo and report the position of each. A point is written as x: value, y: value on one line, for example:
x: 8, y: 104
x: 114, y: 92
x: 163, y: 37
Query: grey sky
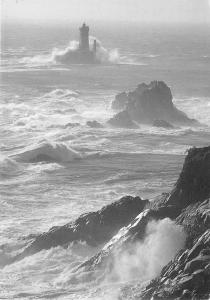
x: 110, y: 10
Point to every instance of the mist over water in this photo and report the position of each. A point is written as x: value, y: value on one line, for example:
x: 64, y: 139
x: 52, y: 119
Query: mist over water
x: 53, y: 166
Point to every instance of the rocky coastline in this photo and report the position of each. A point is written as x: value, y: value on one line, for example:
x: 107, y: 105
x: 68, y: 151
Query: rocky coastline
x: 123, y: 223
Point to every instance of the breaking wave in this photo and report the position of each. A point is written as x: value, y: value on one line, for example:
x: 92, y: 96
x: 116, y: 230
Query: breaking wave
x: 8, y: 167
x: 141, y: 261
x: 60, y: 55
x: 48, y: 152
x: 61, y: 93
x: 144, y: 260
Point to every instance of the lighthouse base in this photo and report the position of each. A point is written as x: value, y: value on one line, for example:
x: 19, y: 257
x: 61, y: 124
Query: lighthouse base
x: 78, y: 57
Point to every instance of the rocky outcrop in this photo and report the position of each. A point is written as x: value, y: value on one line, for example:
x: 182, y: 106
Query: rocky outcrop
x: 128, y: 235
x: 195, y: 219
x: 120, y: 101
x: 193, y: 184
x: 94, y: 228
x: 122, y: 120
x: 150, y: 102
x: 188, y: 275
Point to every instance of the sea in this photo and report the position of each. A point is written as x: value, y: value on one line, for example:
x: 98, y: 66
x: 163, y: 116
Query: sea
x: 53, y: 167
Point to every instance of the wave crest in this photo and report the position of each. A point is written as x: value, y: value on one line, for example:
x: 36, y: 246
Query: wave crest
x: 8, y: 167
x: 48, y: 152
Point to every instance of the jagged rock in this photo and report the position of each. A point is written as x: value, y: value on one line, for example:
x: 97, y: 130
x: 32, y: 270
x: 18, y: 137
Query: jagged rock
x: 94, y: 124
x: 133, y: 232
x: 184, y: 273
x: 190, y: 268
x: 162, y: 124
x: 120, y: 101
x: 123, y: 223
x: 193, y: 184
x: 195, y: 219
x: 94, y: 228
x: 123, y: 120
x: 197, y: 263
x: 160, y: 208
x: 150, y: 102
x: 186, y: 295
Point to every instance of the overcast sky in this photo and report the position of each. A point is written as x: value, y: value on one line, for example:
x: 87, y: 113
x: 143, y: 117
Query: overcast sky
x: 110, y: 10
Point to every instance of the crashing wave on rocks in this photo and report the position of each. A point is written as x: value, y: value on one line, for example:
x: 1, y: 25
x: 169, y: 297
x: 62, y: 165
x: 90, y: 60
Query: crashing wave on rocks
x: 60, y: 55
x: 135, y: 238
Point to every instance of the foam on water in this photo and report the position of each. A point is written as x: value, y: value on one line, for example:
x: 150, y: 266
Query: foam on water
x: 198, y: 108
x: 43, y: 271
x: 60, y: 94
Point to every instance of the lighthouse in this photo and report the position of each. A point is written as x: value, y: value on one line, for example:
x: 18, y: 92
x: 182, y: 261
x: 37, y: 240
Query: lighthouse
x: 85, y: 54
x: 84, y: 38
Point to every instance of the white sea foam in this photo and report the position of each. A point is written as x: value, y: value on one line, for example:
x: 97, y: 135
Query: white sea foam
x: 140, y: 262
x: 144, y: 260
x: 44, y: 270
x: 104, y: 55
x: 196, y: 107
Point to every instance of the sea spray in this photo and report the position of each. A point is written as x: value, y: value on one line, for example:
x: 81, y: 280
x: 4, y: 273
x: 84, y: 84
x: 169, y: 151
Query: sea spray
x: 137, y: 262
x: 144, y: 260
x: 60, y: 55
x: 104, y: 55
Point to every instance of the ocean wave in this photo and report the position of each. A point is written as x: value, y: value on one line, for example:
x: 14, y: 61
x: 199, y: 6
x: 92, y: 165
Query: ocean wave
x: 8, y: 167
x: 60, y: 55
x: 150, y: 55
x: 48, y: 152
x: 52, y: 110
x: 123, y: 177
x: 196, y: 107
x: 171, y: 148
x: 46, y: 271
x: 60, y: 152
x: 14, y: 106
x: 61, y: 94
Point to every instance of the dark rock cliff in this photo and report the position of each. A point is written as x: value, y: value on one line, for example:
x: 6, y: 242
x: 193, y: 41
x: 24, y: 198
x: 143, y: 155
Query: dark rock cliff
x: 188, y: 275
x: 193, y: 184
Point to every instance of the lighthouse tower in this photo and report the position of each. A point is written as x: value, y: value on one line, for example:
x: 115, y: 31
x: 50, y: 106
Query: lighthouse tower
x: 84, y: 38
